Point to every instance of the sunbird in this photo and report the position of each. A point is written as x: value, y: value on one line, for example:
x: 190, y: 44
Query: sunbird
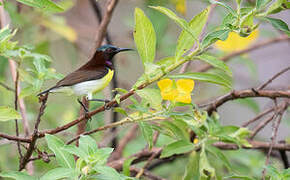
x: 90, y: 78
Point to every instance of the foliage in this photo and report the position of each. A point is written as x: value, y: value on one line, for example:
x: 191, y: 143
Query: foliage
x: 166, y: 108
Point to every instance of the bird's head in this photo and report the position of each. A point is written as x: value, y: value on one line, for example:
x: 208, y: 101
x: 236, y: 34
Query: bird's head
x: 108, y: 52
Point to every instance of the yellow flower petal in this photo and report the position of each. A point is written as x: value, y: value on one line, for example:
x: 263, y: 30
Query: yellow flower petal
x: 235, y: 42
x: 164, y: 84
x: 185, y: 85
x: 169, y: 95
x: 184, y: 98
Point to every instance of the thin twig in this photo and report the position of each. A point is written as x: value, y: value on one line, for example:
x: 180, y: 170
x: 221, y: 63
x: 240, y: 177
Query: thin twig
x: 31, y: 147
x: 274, y: 136
x: 146, y: 173
x: 6, y: 87
x: 258, y: 117
x: 274, y: 77
x: 105, y: 22
x: 140, y: 173
x: 123, y: 142
x: 244, y: 94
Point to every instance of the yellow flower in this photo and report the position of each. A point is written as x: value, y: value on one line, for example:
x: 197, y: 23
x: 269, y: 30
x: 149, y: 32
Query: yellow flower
x: 195, y: 141
x: 178, y: 91
x: 235, y: 42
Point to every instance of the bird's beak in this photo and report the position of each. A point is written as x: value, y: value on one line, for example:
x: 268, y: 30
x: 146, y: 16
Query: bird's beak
x: 124, y: 49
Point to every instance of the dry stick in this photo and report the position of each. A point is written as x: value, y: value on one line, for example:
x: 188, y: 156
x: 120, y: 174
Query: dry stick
x: 115, y: 85
x: 206, y: 67
x: 274, y: 77
x: 105, y: 22
x: 81, y: 127
x: 7, y: 87
x: 34, y: 137
x: 146, y: 173
x: 262, y: 125
x: 258, y: 116
x: 145, y: 154
x: 140, y: 173
x: 123, y: 142
x: 244, y: 94
x: 274, y: 136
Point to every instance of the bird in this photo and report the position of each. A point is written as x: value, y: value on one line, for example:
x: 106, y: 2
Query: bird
x: 90, y: 78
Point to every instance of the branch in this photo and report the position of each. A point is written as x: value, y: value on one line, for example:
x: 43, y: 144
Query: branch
x: 6, y: 87
x: 258, y: 116
x: 274, y: 136
x: 104, y: 24
x: 146, y: 154
x: 34, y: 137
x: 244, y: 94
x: 274, y: 77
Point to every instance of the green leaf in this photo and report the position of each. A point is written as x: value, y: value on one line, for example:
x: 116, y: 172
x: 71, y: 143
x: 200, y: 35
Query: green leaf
x: 215, y: 63
x: 147, y: 133
x: 7, y: 113
x: 152, y: 97
x: 240, y: 177
x: 58, y: 173
x: 144, y: 36
x: 277, y: 6
x: 88, y: 144
x: 205, y: 169
x: 260, y: 4
x: 219, y: 154
x: 212, y: 37
x: 56, y: 145
x: 181, y: 22
x: 185, y: 40
x: 279, y: 24
x: 126, y: 166
x: 225, y: 6
x: 174, y: 130
x: 44, y: 5
x: 204, y: 77
x: 192, y: 171
x: 106, y: 173
x: 251, y: 103
x: 177, y: 147
x: 17, y: 175
x: 120, y: 110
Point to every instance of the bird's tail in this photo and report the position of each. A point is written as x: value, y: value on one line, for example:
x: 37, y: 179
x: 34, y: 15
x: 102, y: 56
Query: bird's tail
x: 44, y: 92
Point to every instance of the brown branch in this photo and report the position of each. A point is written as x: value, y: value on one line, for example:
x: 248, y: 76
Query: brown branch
x: 6, y: 87
x: 226, y: 58
x: 146, y: 173
x: 258, y: 116
x: 274, y: 77
x: 244, y: 94
x: 123, y: 142
x: 31, y: 147
x: 105, y: 22
x: 260, y: 126
x: 146, y: 154
x: 274, y: 136
x: 15, y: 138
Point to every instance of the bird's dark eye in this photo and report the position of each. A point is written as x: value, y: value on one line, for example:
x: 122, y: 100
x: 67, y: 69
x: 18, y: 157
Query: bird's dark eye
x: 110, y: 50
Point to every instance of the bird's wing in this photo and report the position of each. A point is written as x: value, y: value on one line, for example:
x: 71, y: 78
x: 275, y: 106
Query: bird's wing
x: 82, y: 75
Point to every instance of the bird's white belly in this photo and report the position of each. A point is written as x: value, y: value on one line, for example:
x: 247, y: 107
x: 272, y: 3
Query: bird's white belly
x: 87, y: 87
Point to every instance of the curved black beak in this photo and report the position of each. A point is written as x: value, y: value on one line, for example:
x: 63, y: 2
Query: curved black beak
x: 124, y: 49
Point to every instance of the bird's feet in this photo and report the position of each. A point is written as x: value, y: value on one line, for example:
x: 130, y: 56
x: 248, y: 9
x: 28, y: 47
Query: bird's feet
x: 85, y: 109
